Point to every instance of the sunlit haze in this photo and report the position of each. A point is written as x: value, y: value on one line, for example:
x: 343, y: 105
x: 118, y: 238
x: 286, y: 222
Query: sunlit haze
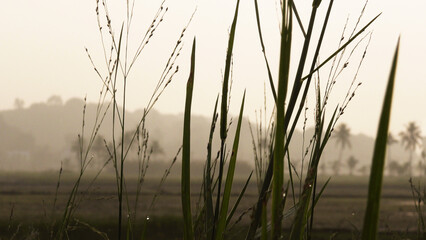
x: 43, y: 44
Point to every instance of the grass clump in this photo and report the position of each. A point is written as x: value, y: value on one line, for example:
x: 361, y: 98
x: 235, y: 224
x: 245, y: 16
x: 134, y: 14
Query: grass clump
x: 215, y: 217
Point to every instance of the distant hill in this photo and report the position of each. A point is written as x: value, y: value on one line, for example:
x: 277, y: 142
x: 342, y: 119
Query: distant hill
x: 55, y: 126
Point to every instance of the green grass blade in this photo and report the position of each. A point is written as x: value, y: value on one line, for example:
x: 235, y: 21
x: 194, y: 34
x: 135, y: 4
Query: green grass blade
x: 320, y: 193
x: 305, y: 93
x: 224, y: 104
x: 371, y: 217
x: 290, y: 172
x: 264, y: 226
x: 262, y: 199
x: 301, y: 218
x: 278, y: 164
x: 208, y: 192
x: 186, y: 150
x: 120, y: 195
x: 234, y: 208
x: 221, y: 225
x: 297, y: 83
x: 268, y: 176
x: 224, y: 111
x: 327, y: 134
x: 285, y: 196
x: 315, y: 200
x: 296, y: 14
x: 259, y: 30
x: 311, y: 211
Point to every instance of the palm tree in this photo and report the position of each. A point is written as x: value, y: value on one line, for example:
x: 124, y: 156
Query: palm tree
x: 156, y: 148
x: 363, y: 170
x: 335, y: 166
x: 391, y: 141
x: 395, y: 168
x: 352, y: 162
x: 342, y: 135
x: 410, y: 138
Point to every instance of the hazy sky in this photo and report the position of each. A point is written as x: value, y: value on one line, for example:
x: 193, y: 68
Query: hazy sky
x: 42, y: 53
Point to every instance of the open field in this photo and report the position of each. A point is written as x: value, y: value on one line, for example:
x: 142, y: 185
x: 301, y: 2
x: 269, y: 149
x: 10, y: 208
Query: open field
x: 27, y: 200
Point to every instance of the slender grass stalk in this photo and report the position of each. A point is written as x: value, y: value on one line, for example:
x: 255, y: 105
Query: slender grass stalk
x: 296, y: 90
x: 85, y: 161
x: 297, y: 83
x: 208, y: 191
x: 264, y: 223
x: 262, y: 199
x: 307, y: 85
x: 113, y: 65
x: 56, y: 191
x: 300, y: 221
x: 321, y: 143
x: 224, y: 104
x: 262, y: 45
x: 371, y: 217
x: 240, y: 196
x: 418, y: 199
x: 218, y: 219
x: 119, y: 179
x: 278, y: 167
x: 186, y: 151
x: 296, y: 14
x: 221, y: 225
x: 341, y: 48
x: 319, y: 194
x: 158, y: 193
x: 120, y: 194
x: 224, y: 111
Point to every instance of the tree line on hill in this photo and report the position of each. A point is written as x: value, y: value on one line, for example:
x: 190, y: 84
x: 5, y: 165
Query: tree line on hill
x: 42, y: 135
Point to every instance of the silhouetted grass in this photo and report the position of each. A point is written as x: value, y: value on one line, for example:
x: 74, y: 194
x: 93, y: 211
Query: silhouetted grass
x: 215, y: 220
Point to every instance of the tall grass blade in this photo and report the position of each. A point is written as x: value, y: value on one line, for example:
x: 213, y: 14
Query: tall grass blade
x: 320, y: 193
x: 268, y: 176
x: 264, y: 223
x: 371, y: 217
x: 297, y: 83
x: 296, y: 14
x: 259, y: 29
x: 307, y: 85
x: 224, y: 104
x: 120, y: 192
x: 418, y: 199
x: 224, y: 110
x: 289, y: 111
x: 234, y: 208
x: 186, y: 150
x: 208, y: 192
x: 230, y: 177
x: 262, y: 45
x: 262, y: 199
x: 278, y: 165
x: 301, y: 218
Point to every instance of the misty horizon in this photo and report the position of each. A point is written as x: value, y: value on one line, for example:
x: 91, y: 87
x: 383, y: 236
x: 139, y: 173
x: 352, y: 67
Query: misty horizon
x: 62, y: 66
x: 58, y: 137
x: 251, y: 116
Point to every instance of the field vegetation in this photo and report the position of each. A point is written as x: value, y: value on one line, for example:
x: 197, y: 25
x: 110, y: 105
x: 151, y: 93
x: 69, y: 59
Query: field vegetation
x: 280, y: 199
